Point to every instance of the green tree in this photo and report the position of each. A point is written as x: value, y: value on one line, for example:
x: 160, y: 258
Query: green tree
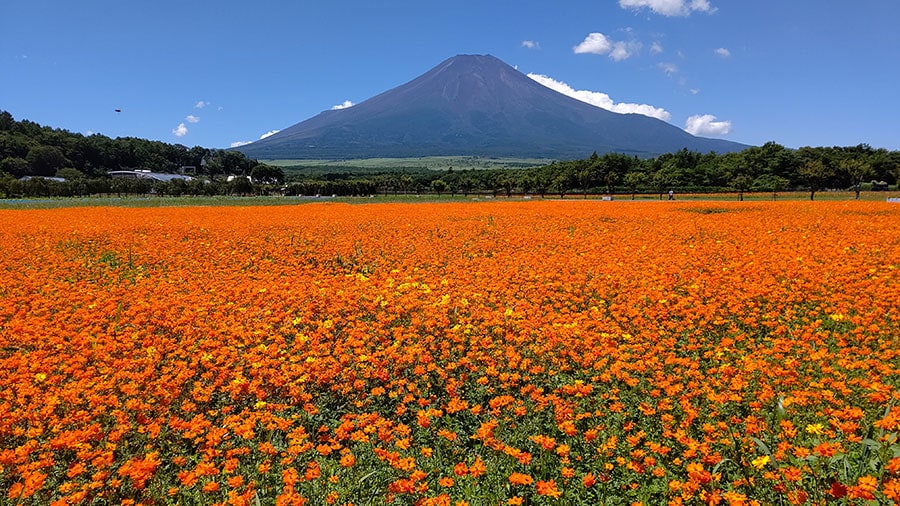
x: 542, y: 181
x: 45, y: 160
x: 465, y: 185
x: 564, y: 180
x: 741, y: 183
x: 508, y: 183
x: 6, y: 121
x: 664, y: 179
x: 585, y: 180
x: 770, y: 183
x: 612, y: 168
x: 6, y: 181
x: 815, y: 173
x: 856, y: 170
x: 16, y: 167
x: 240, y: 185
x: 634, y: 181
x: 267, y: 174
x: 439, y: 186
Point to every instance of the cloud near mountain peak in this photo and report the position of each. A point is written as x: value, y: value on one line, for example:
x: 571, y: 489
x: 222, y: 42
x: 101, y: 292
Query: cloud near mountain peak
x: 601, y: 100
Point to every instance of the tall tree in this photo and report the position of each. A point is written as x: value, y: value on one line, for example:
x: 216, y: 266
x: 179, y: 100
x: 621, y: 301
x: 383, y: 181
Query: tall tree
x: 815, y: 173
x: 771, y: 183
x: 16, y: 167
x: 741, y: 183
x: 856, y: 170
x: 267, y: 174
x: 45, y: 160
x: 634, y: 181
x: 439, y: 186
x: 665, y: 178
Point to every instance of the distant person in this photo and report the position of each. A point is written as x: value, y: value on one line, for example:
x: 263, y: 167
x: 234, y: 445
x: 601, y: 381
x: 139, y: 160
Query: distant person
x: 671, y: 195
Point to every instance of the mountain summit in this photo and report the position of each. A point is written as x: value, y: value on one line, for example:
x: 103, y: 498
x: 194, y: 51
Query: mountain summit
x: 476, y: 105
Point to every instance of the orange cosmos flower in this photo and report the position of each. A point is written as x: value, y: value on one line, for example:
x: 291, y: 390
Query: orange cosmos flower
x: 520, y: 479
x: 548, y: 488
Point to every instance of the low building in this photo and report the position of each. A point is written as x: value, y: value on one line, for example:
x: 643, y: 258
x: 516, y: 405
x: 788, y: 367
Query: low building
x: 146, y: 174
x: 48, y: 178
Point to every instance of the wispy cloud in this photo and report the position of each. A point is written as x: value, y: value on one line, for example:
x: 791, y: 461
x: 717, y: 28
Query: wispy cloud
x: 656, y: 48
x: 706, y: 124
x: 530, y: 44
x: 601, y: 100
x: 345, y: 105
x: 598, y: 43
x: 192, y: 119
x: 724, y: 53
x: 669, y: 68
x: 180, y: 130
x: 237, y: 144
x: 669, y: 7
x: 201, y: 104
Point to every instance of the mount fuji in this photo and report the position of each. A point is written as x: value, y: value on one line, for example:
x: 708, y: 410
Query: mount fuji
x: 476, y: 105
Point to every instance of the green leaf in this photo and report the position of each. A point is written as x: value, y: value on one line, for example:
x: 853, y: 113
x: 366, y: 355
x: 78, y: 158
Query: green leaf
x: 872, y: 444
x: 763, y: 448
x: 721, y: 462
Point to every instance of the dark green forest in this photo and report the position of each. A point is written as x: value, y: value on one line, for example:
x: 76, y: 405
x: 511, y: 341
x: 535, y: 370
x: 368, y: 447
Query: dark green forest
x: 31, y: 154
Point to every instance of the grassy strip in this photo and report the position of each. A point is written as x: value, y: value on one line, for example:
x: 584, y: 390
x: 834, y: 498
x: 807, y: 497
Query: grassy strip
x: 190, y: 201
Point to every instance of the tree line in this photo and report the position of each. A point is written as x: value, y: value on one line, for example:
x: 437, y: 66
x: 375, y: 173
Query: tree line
x: 29, y: 149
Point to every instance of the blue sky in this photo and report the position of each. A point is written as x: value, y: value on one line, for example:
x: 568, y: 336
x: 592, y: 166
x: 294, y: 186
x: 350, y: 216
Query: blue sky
x: 214, y: 74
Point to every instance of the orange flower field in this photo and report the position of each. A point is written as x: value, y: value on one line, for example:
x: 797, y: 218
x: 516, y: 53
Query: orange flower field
x: 542, y: 352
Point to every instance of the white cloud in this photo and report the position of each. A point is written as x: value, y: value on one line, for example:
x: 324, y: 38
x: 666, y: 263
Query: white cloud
x: 180, y: 130
x: 623, y: 50
x: 669, y: 7
x: 656, y: 48
x: 706, y: 124
x: 694, y: 91
x: 345, y: 105
x: 597, y: 43
x: 201, y: 104
x: 237, y: 144
x: 601, y: 100
x: 724, y: 53
x: 192, y: 119
x: 530, y: 44
x: 594, y: 43
x: 669, y: 68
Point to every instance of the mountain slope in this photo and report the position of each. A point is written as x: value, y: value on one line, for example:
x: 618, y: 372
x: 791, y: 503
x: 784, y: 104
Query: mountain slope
x: 476, y: 105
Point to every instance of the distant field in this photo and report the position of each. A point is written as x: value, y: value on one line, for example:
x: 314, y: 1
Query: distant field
x: 190, y: 201
x: 427, y: 163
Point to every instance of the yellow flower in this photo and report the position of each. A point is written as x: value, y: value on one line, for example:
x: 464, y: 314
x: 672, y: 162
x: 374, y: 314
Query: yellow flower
x: 815, y: 428
x: 761, y: 461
